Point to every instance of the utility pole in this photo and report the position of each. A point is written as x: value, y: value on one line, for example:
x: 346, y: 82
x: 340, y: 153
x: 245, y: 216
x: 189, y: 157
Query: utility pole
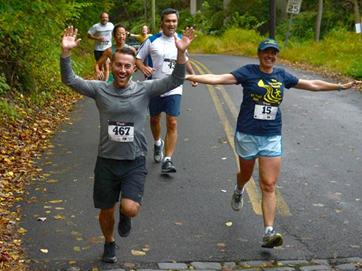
x: 153, y: 23
x: 146, y: 18
x: 193, y: 7
x: 272, y: 16
x: 319, y: 21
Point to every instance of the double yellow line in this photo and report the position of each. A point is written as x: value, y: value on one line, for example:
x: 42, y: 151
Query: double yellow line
x: 251, y: 187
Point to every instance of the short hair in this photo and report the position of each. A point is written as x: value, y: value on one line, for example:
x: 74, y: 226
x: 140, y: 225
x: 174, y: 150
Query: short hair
x: 125, y: 51
x: 118, y: 26
x: 104, y: 13
x: 169, y: 11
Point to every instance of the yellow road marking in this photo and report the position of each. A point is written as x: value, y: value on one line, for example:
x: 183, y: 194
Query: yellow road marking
x: 251, y: 187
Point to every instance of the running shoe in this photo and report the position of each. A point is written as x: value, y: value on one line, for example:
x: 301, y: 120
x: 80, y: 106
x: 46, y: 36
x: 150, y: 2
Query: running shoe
x: 272, y: 239
x: 158, y: 152
x: 237, y: 201
x: 124, y: 225
x: 109, y: 254
x: 168, y: 167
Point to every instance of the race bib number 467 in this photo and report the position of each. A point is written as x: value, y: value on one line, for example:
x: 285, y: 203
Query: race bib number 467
x: 121, y: 131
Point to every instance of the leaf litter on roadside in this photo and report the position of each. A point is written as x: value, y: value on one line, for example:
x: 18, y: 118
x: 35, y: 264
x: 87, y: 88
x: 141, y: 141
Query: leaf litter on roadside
x: 22, y: 143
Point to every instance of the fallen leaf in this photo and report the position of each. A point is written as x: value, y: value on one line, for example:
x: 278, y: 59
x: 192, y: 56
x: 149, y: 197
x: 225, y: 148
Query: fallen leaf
x: 138, y: 253
x: 59, y: 217
x: 55, y: 201
x: 178, y: 223
x: 146, y: 248
x: 42, y: 219
x: 128, y: 265
x: 22, y: 231
x: 229, y: 224
x: 224, y: 191
x: 318, y: 205
x: 221, y: 245
x: 72, y: 262
x: 95, y: 240
x: 355, y: 246
x: 76, y: 248
x: 44, y: 250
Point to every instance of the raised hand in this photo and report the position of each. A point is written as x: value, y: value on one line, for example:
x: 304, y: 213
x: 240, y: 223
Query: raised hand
x: 69, y: 40
x: 187, y: 38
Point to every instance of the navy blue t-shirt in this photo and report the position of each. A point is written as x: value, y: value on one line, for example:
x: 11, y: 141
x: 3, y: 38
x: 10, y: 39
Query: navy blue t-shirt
x: 262, y: 94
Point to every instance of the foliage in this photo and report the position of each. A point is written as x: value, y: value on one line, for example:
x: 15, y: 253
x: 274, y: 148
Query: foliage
x: 29, y: 44
x: 3, y: 85
x: 245, y: 21
x: 233, y: 41
x: 331, y: 53
x: 345, y: 60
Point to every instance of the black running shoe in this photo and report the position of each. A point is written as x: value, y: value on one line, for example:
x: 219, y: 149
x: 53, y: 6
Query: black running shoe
x: 124, y: 225
x: 168, y: 167
x: 109, y: 254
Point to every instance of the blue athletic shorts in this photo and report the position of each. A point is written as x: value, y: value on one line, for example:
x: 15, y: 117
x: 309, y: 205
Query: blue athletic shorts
x: 115, y: 177
x: 250, y: 147
x: 168, y: 104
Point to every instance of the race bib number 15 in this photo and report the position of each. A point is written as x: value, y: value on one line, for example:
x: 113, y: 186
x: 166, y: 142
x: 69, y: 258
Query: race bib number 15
x: 265, y: 112
x: 121, y: 131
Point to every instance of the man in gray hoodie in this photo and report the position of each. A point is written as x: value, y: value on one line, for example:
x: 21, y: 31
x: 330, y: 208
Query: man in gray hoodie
x: 122, y: 105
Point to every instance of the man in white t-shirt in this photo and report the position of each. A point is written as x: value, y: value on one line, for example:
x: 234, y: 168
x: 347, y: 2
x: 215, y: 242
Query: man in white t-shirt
x: 162, y: 52
x: 101, y: 33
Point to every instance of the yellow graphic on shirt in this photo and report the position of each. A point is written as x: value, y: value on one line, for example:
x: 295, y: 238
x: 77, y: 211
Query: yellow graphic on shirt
x: 273, y: 93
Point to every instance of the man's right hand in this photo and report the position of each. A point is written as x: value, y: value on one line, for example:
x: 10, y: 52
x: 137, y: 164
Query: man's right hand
x: 147, y: 71
x: 69, y: 41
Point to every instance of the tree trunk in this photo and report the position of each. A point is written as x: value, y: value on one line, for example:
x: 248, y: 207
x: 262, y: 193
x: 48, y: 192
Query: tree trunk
x: 319, y: 20
x: 282, y: 6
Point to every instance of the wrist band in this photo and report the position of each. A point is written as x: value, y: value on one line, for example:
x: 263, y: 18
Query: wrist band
x: 339, y: 86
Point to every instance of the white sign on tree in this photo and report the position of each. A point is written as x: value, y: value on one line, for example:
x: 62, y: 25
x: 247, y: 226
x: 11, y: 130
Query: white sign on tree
x: 293, y: 6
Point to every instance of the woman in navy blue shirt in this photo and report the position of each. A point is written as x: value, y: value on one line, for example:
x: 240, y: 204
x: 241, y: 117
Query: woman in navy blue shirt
x: 259, y: 124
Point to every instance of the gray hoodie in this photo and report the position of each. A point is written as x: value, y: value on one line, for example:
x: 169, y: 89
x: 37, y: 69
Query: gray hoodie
x: 123, y: 110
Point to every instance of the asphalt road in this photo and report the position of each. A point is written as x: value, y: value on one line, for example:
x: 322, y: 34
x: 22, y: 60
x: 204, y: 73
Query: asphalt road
x: 184, y: 215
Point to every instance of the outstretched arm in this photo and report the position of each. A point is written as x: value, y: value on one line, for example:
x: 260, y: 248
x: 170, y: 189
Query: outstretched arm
x: 69, y: 41
x: 213, y: 79
x: 319, y: 85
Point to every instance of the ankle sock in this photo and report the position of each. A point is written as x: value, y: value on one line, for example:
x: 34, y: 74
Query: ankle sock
x: 268, y: 229
x: 240, y: 192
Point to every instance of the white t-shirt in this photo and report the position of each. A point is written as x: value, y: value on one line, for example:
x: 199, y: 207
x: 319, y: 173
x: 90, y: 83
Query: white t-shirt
x: 163, y: 53
x: 98, y: 30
